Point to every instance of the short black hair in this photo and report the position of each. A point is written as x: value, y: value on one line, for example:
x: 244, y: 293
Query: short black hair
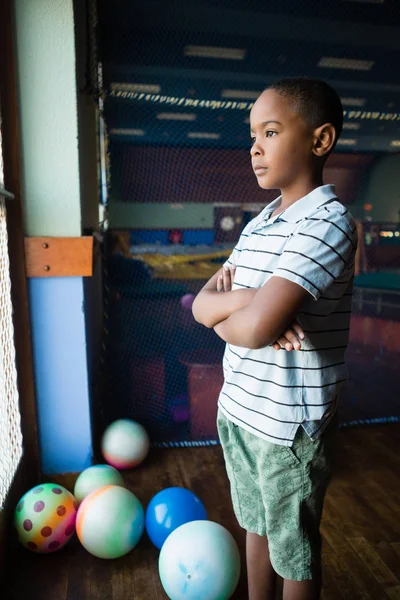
x: 314, y: 100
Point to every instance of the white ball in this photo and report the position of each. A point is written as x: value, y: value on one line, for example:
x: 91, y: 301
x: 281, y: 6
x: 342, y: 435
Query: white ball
x: 125, y: 444
x: 199, y: 560
x: 96, y: 477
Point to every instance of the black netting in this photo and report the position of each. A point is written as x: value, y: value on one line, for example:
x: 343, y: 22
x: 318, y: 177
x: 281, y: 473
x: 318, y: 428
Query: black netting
x: 180, y: 190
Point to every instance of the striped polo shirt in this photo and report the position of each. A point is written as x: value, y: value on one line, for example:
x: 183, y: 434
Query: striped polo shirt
x: 312, y: 243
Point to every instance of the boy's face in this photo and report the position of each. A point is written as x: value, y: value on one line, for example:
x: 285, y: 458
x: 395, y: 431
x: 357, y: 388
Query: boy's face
x: 281, y: 152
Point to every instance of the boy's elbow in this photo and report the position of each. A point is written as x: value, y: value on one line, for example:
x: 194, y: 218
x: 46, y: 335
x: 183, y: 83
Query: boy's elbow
x: 197, y: 313
x: 256, y: 344
x: 198, y: 318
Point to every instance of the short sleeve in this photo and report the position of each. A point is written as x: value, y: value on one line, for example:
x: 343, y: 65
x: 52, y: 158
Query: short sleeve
x: 318, y: 253
x: 233, y: 258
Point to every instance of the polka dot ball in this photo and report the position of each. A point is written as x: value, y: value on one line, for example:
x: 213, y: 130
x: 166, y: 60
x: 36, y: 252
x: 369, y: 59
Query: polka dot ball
x: 45, y: 518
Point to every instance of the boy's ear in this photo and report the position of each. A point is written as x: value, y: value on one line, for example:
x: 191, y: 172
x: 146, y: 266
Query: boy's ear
x: 324, y: 139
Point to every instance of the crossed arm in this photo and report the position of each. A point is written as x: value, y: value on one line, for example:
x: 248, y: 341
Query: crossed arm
x: 254, y: 317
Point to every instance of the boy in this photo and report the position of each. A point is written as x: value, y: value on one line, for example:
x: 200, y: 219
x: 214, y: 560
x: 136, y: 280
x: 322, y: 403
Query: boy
x: 277, y: 410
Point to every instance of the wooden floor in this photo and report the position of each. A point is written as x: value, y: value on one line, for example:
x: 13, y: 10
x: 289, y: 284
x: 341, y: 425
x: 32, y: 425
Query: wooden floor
x: 361, y: 528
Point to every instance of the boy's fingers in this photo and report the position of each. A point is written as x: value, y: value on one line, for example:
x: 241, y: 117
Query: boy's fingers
x: 298, y: 330
x: 227, y: 279
x: 232, y: 274
x: 220, y: 284
x: 285, y: 343
x: 292, y: 338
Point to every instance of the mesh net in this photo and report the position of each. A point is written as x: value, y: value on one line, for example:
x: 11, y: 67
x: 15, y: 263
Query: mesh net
x: 160, y: 366
x: 10, y: 429
x: 180, y: 191
x: 1, y: 159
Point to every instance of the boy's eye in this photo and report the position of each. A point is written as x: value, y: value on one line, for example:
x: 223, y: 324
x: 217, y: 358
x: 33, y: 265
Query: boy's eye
x: 268, y: 134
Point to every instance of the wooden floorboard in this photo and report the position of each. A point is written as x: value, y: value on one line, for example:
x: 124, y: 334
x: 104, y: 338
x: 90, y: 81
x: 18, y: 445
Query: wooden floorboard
x: 360, y: 528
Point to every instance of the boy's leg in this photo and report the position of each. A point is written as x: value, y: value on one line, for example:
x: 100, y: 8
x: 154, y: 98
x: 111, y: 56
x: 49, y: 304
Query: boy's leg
x: 262, y: 577
x: 278, y: 491
x: 260, y: 574
x: 299, y: 562
x: 240, y: 452
x: 309, y: 589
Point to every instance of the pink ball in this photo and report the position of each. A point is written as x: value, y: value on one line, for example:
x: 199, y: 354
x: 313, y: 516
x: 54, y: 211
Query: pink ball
x: 187, y: 301
x: 125, y: 444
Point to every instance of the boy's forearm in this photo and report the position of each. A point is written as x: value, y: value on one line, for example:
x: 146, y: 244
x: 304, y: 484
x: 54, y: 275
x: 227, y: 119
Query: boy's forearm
x: 211, y: 307
x: 240, y: 330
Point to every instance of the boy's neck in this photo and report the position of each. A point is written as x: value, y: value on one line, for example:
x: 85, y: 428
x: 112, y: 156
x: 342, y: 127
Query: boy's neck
x: 299, y: 190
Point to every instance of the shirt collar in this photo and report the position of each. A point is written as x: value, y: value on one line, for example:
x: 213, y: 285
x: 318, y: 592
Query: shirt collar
x: 304, y: 206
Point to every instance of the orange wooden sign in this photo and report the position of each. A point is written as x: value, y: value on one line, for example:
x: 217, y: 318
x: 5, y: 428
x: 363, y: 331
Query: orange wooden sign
x: 59, y: 257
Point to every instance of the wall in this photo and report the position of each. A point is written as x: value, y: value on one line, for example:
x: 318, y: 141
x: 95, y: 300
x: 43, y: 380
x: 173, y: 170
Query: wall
x: 383, y: 190
x: 46, y: 73
x: 126, y: 215
x: 48, y: 110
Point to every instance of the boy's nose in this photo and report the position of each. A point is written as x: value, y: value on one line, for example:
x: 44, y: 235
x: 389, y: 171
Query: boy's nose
x: 255, y: 150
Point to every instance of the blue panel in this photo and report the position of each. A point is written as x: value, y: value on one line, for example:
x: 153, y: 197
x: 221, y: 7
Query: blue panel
x: 150, y: 236
x: 60, y: 363
x: 196, y: 237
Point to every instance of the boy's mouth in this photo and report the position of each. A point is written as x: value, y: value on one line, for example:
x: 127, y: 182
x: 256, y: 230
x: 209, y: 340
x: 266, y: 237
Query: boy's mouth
x: 259, y: 169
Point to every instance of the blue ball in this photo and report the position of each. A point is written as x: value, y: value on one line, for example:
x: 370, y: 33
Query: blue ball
x: 168, y: 510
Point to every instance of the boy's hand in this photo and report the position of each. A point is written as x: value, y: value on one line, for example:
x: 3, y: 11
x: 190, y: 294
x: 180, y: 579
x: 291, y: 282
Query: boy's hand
x: 225, y: 280
x: 290, y: 339
x: 210, y: 307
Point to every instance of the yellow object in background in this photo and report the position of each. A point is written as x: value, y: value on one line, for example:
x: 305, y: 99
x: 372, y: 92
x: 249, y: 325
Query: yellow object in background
x: 184, y: 266
x: 177, y: 266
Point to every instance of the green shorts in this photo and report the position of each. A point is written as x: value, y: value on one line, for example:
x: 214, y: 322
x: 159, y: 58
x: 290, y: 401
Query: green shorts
x: 278, y: 492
